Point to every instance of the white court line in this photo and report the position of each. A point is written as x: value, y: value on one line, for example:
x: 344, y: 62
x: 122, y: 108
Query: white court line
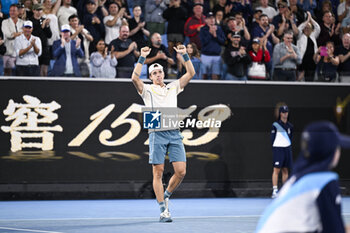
x: 20, y: 229
x: 136, y: 218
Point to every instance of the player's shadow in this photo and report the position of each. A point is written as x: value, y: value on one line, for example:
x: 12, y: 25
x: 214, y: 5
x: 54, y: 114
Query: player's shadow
x: 217, y: 175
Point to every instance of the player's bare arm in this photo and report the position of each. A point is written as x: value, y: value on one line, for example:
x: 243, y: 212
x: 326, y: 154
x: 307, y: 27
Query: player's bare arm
x: 135, y: 77
x: 190, y: 72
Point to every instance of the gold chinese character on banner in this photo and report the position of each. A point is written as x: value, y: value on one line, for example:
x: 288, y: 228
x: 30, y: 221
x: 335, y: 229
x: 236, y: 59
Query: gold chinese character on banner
x: 30, y: 122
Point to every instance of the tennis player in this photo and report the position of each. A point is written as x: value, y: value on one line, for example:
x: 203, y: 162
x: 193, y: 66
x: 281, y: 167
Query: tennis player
x: 310, y: 200
x: 164, y: 141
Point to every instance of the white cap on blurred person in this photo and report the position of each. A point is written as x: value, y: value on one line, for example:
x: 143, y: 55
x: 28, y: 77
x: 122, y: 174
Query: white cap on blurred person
x: 65, y: 28
x: 154, y: 66
x: 28, y: 23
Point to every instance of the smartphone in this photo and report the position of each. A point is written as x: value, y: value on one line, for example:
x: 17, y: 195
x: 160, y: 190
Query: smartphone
x: 323, y: 51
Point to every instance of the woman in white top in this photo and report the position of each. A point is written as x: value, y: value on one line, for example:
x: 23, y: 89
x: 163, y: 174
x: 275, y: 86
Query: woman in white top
x: 102, y: 64
x: 307, y: 45
x: 50, y: 10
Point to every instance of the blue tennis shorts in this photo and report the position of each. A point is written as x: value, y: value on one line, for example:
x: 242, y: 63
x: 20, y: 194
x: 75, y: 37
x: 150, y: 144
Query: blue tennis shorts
x: 282, y: 157
x: 168, y: 142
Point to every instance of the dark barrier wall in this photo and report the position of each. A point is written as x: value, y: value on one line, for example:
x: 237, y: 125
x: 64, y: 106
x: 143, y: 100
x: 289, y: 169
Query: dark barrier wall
x: 81, y: 132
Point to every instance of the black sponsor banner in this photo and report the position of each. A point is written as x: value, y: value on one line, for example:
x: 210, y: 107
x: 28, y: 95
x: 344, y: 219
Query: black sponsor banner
x: 55, y: 131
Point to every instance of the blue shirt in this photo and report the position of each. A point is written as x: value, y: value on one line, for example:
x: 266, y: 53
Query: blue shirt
x: 211, y: 45
x: 281, y: 133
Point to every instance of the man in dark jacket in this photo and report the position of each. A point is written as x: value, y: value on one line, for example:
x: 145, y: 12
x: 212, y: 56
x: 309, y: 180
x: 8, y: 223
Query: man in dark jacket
x: 236, y: 58
x: 212, y: 38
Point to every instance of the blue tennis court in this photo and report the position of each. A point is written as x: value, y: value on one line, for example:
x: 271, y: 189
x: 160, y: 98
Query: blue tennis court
x: 234, y: 215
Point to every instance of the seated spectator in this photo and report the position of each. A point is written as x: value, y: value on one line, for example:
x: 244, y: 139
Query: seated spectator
x: 194, y: 23
x: 28, y: 51
x: 113, y: 21
x: 236, y: 59
x: 102, y: 64
x: 22, y: 13
x: 259, y: 56
x: 343, y: 51
x: 286, y: 57
x: 212, y: 38
x: 125, y: 51
x: 153, y: 16
x: 11, y: 28
x: 194, y: 55
x: 65, y: 51
x: 159, y: 54
x: 176, y: 16
x: 255, y: 20
x: 329, y: 30
x: 137, y: 26
x: 28, y: 4
x: 267, y: 10
x: 307, y: 45
x: 79, y: 31
x: 327, y: 63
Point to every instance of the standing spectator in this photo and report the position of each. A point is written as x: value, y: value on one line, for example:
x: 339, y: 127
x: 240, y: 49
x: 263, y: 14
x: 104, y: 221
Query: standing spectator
x: 236, y: 59
x: 28, y: 51
x: 327, y: 63
x: 194, y: 23
x: 154, y: 19
x: 66, y: 51
x: 22, y: 13
x: 286, y: 57
x: 343, y: 52
x: 79, y: 31
x: 242, y: 28
x: 322, y: 8
x: 28, y: 4
x: 93, y: 22
x: 50, y: 12
x: 125, y: 51
x: 64, y: 12
x: 307, y: 45
x: 11, y: 28
x: 310, y: 200
x: 260, y: 56
x: 297, y: 11
x: 212, y: 38
x: 113, y: 21
x: 242, y: 6
x: 256, y: 18
x: 343, y: 10
x: 159, y: 54
x: 267, y: 10
x: 102, y: 64
x: 222, y: 6
x: 41, y: 29
x: 265, y: 31
x: 219, y: 18
x: 2, y: 18
x: 138, y: 31
x: 176, y: 16
x: 194, y: 55
x: 281, y: 140
x: 329, y: 30
x: 284, y: 21
x: 308, y: 5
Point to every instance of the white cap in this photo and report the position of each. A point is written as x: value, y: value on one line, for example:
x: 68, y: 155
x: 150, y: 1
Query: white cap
x: 65, y: 27
x: 28, y: 24
x: 154, y: 66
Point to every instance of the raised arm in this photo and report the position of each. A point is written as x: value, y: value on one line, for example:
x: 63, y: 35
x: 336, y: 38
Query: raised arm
x: 135, y: 77
x: 190, y: 72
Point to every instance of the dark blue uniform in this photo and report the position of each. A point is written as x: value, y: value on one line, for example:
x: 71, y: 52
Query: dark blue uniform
x: 281, y: 140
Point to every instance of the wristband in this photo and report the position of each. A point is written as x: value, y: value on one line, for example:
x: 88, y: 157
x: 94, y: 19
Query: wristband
x: 186, y: 57
x: 141, y: 60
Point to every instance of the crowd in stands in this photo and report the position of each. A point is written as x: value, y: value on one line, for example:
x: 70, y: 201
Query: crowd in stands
x: 282, y: 40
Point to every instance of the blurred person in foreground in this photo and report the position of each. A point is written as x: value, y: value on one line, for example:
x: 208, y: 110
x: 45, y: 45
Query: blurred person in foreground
x: 310, y: 200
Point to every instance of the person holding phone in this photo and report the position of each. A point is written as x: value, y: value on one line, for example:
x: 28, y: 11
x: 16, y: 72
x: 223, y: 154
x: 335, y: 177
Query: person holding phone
x: 327, y: 63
